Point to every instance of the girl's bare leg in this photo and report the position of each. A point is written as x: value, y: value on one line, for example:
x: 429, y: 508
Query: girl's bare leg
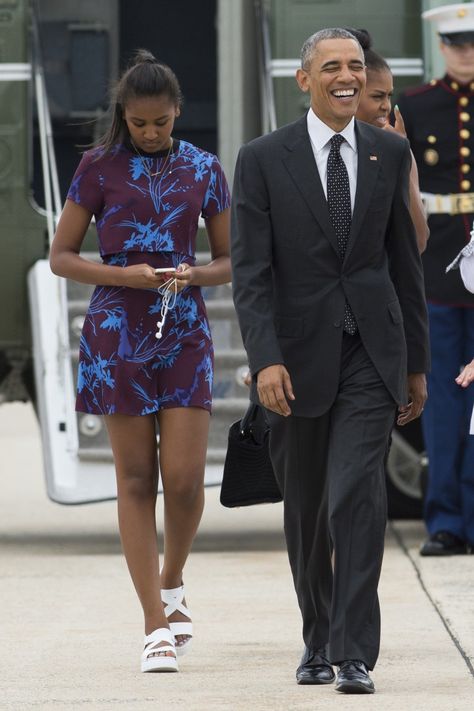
x: 183, y: 444
x: 133, y: 441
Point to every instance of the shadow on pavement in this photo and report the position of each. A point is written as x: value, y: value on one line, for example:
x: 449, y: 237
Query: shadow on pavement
x: 109, y: 544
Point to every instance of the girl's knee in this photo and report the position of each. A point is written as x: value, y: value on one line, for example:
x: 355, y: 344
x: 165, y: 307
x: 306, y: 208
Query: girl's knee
x: 137, y: 484
x: 186, y: 488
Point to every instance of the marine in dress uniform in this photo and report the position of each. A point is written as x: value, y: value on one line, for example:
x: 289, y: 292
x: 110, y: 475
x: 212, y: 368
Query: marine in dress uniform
x: 439, y: 120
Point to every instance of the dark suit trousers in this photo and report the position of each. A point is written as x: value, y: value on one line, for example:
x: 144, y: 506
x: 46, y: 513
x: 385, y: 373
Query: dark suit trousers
x: 331, y: 472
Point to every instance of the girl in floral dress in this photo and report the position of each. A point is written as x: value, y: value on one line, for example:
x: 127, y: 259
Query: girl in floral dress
x: 146, y: 355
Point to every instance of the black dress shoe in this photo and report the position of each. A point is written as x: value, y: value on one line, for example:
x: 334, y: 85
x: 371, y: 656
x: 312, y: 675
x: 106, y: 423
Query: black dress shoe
x: 353, y: 678
x: 443, y: 543
x: 315, y: 668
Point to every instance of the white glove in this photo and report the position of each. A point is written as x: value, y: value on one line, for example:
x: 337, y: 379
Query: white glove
x: 467, y: 272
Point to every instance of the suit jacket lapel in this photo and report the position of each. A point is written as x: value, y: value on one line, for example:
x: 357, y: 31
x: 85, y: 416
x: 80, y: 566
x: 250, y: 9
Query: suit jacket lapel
x: 302, y: 168
x: 368, y: 166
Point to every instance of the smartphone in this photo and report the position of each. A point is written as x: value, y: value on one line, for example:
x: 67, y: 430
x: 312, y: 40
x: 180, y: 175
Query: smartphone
x: 165, y: 270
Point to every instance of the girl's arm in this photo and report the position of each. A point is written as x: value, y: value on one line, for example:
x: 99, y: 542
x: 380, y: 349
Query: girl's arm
x: 417, y: 210
x: 218, y: 269
x: 66, y: 261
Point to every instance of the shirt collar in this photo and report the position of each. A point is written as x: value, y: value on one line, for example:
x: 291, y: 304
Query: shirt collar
x: 320, y: 133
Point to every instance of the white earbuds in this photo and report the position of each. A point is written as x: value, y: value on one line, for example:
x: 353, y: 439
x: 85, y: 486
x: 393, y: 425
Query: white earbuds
x: 169, y: 292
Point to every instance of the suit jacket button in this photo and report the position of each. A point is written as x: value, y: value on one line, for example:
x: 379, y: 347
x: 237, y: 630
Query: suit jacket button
x: 338, y: 324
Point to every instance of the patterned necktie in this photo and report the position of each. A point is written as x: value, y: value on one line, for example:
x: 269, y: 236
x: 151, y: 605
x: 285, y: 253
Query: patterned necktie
x: 339, y: 204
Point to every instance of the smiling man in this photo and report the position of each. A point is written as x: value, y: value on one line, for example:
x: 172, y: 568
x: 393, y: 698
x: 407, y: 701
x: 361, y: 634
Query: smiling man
x: 328, y: 288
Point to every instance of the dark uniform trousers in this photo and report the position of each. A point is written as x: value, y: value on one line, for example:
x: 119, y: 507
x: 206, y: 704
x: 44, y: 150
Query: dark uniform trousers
x: 331, y: 472
x: 439, y: 120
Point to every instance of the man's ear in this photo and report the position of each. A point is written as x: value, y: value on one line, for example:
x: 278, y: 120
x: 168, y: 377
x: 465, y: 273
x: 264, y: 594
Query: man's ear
x: 302, y: 79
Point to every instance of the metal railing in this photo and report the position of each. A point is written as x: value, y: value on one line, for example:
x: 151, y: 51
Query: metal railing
x: 52, y: 193
x: 268, y: 109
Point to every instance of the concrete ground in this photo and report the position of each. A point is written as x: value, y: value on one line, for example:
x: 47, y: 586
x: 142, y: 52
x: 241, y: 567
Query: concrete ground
x: 71, y: 630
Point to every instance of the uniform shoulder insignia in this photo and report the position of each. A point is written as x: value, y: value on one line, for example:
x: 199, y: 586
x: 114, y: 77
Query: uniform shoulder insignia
x: 422, y: 89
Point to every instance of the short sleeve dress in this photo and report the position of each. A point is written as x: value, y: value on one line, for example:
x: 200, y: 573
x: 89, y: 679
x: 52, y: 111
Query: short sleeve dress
x: 140, y: 218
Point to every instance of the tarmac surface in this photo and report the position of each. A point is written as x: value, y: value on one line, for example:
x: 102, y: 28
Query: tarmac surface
x: 71, y: 627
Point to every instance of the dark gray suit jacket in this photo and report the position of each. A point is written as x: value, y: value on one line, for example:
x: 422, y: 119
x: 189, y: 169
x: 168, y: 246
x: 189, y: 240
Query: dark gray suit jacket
x: 289, y: 283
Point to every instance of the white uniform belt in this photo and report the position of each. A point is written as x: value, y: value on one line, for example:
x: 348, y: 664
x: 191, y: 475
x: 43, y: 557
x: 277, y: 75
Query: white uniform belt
x: 452, y: 204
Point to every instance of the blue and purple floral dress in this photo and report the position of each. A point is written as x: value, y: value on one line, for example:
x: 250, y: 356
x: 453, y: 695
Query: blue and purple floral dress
x: 123, y: 367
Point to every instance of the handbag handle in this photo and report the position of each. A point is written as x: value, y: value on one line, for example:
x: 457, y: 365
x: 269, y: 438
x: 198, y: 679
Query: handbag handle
x: 248, y: 419
x: 254, y: 425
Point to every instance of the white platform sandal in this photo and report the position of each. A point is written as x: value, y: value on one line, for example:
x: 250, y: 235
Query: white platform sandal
x: 163, y: 662
x: 173, y: 599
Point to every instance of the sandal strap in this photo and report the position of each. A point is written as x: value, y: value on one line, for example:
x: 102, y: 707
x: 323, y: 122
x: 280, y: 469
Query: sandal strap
x: 152, y: 640
x: 161, y: 634
x: 185, y: 628
x: 149, y: 651
x: 173, y: 598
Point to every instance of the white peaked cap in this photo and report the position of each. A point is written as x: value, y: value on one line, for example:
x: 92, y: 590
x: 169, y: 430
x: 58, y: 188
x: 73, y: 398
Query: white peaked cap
x: 452, y: 18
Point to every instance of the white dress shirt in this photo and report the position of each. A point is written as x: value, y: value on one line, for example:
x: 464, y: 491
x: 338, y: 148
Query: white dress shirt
x: 320, y: 134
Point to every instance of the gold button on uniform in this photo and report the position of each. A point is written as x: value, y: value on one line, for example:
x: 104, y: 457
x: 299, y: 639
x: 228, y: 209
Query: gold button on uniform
x: 463, y: 101
x: 465, y: 184
x: 471, y: 86
x: 464, y: 133
x: 431, y: 156
x: 465, y: 151
x: 431, y: 139
x: 454, y: 85
x: 464, y: 116
x: 465, y: 168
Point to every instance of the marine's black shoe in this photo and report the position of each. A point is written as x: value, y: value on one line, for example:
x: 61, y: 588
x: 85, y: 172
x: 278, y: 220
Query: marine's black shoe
x: 353, y: 678
x: 444, y: 543
x: 315, y: 668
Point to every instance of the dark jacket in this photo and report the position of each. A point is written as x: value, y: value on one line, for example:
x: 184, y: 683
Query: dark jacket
x: 289, y: 283
x: 439, y: 119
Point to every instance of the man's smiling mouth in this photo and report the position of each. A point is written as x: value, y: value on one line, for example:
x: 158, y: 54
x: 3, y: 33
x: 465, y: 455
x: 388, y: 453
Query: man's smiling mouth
x: 343, y: 93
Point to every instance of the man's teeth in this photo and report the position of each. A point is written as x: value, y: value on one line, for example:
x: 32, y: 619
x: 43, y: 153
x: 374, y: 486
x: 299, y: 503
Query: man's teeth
x: 344, y: 92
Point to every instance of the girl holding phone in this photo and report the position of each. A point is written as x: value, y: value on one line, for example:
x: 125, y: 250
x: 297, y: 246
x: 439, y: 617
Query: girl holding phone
x: 146, y: 355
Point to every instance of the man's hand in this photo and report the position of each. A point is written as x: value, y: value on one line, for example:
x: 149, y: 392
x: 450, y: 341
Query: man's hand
x: 417, y: 395
x: 274, y: 387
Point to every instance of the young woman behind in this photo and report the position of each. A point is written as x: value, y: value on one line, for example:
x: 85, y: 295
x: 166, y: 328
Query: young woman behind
x: 374, y: 108
x: 146, y: 355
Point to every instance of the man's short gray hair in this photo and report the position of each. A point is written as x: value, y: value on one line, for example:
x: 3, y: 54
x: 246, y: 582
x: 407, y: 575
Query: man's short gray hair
x: 307, y: 50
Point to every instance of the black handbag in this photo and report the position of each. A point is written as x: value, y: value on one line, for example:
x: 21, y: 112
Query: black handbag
x: 248, y: 476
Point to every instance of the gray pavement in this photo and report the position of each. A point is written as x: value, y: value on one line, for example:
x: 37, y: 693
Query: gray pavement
x: 71, y: 626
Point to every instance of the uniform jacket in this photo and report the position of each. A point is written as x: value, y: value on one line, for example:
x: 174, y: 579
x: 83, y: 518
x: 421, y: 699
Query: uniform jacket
x: 289, y: 283
x: 439, y: 119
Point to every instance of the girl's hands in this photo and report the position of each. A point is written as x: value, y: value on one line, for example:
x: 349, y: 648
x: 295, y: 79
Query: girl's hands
x: 399, y: 122
x: 142, y: 276
x: 466, y: 376
x: 184, y: 276
x: 399, y: 125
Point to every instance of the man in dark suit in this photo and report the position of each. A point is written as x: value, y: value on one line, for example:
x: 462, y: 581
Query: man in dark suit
x: 328, y: 288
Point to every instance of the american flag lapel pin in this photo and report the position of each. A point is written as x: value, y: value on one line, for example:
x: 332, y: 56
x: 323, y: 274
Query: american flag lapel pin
x: 372, y: 157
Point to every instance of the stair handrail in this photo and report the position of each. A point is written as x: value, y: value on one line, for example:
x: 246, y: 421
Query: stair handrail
x: 265, y: 62
x: 52, y: 193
